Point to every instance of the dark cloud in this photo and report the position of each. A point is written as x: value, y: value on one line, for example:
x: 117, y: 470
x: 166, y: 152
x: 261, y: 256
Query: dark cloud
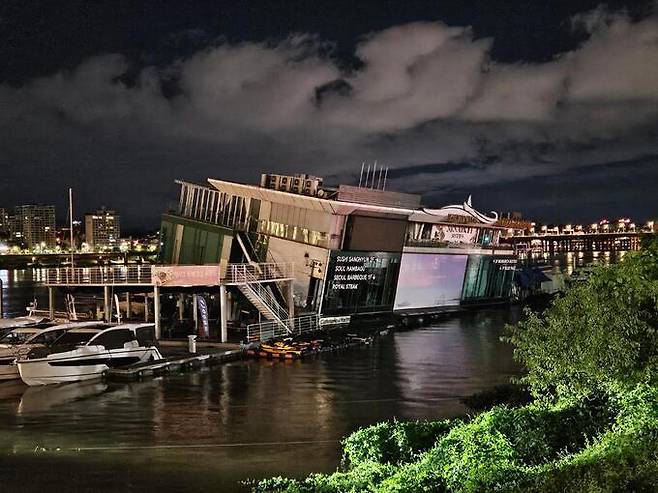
x: 422, y: 93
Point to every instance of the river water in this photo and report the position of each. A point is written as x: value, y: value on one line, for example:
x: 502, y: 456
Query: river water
x: 212, y: 429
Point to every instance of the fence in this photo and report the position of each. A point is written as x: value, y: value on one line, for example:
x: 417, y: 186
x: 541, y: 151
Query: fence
x: 246, y: 273
x: 113, y: 274
x: 266, y: 331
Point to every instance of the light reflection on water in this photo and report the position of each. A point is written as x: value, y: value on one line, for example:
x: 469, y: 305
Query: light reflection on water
x: 213, y: 428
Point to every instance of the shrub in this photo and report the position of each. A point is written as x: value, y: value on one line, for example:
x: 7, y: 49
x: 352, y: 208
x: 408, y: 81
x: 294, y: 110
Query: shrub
x: 600, y: 334
x: 393, y: 442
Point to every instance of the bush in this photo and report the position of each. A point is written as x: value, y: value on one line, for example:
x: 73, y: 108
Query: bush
x: 595, y: 444
x: 600, y: 334
x: 393, y: 442
x: 511, y: 394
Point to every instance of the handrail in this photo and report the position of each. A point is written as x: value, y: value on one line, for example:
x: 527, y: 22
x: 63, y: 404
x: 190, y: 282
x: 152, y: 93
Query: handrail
x: 142, y: 274
x: 112, y: 274
x: 257, y: 272
x: 266, y: 331
x: 264, y: 296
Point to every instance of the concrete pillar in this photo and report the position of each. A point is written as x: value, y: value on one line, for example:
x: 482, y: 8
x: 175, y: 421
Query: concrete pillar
x: 107, y: 316
x: 128, y: 307
x: 223, y: 315
x: 156, y: 311
x: 195, y: 312
x: 291, y: 299
x: 51, y: 303
x: 146, y: 307
x: 181, y: 306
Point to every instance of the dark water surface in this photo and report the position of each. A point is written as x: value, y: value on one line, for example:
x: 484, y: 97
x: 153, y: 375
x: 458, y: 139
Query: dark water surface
x: 208, y: 430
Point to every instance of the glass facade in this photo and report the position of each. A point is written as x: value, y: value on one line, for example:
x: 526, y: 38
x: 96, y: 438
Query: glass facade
x: 488, y: 277
x: 430, y: 280
x: 360, y: 282
x: 294, y: 233
x: 446, y: 234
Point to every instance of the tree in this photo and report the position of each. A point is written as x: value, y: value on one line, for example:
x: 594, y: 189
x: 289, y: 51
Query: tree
x: 599, y: 335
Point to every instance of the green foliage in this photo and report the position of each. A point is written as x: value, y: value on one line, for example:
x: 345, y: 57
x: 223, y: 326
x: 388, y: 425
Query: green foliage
x: 393, y: 442
x: 593, y: 445
x: 510, y: 394
x: 601, y: 333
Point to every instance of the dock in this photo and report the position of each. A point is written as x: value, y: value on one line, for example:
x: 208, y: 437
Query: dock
x: 175, y: 363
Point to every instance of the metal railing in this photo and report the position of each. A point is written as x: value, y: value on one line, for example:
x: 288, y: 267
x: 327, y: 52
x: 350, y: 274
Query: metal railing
x: 262, y: 295
x: 255, y: 272
x: 143, y: 274
x: 112, y: 274
x: 267, y: 331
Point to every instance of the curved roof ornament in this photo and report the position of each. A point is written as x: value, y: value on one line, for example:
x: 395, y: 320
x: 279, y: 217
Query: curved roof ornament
x: 467, y: 208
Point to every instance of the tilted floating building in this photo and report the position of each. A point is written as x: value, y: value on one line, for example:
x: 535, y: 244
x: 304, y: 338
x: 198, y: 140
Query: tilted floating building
x: 353, y: 251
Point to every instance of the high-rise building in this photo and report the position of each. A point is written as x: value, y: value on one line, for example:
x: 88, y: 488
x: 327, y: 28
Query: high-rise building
x: 102, y: 228
x: 4, y: 221
x: 33, y: 225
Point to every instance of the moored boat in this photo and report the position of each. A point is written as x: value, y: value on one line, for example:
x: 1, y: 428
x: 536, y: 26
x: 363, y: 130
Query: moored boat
x: 17, y: 343
x: 7, y: 324
x: 86, y: 353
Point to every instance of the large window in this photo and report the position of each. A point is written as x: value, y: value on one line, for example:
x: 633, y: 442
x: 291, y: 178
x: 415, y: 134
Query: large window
x: 430, y: 280
x: 360, y: 282
x: 295, y: 233
x: 488, y: 277
x: 113, y: 339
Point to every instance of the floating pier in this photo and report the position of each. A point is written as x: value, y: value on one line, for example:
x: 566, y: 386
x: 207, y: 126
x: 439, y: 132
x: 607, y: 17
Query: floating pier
x: 173, y: 364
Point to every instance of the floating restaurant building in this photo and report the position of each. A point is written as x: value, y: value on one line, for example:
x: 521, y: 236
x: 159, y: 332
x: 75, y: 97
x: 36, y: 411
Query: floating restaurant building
x: 354, y: 251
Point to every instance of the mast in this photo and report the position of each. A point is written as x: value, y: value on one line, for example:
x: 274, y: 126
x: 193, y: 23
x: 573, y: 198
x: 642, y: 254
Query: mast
x: 72, y: 245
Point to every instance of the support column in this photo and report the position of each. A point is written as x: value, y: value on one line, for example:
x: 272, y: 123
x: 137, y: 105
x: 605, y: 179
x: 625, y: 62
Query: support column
x: 291, y: 299
x: 146, y: 307
x: 51, y: 303
x: 156, y: 311
x: 128, y: 307
x: 181, y: 306
x: 195, y: 313
x: 223, y: 316
x: 107, y: 316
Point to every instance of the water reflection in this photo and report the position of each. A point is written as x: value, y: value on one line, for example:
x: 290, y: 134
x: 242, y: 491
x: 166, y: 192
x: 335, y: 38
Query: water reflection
x: 213, y: 428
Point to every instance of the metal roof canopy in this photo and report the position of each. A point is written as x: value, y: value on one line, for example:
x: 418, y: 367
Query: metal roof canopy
x: 302, y: 201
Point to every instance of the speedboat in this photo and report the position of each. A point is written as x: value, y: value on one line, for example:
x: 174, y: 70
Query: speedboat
x: 87, y: 353
x: 17, y: 343
x: 7, y: 324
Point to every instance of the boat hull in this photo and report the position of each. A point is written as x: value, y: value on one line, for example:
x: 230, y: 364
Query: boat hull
x: 77, y: 368
x: 8, y: 371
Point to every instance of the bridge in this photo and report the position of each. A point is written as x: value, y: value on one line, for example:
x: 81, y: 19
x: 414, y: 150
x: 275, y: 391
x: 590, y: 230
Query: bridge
x: 578, y: 242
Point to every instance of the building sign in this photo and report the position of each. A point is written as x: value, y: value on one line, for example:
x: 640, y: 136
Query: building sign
x: 332, y: 321
x: 455, y: 234
x: 203, y: 311
x: 185, y: 275
x: 351, y: 271
x: 464, y: 211
x: 505, y: 263
x: 360, y: 282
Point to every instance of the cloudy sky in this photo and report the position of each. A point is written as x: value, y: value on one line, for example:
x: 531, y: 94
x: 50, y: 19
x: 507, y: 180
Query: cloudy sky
x: 530, y: 105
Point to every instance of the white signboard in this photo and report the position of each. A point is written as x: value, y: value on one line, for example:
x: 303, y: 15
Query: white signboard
x: 454, y: 234
x: 185, y: 275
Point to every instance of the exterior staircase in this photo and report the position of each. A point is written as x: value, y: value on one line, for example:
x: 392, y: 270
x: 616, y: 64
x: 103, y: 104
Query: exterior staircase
x: 259, y: 294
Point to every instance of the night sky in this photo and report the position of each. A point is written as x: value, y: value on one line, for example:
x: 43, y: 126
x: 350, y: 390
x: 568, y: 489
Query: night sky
x: 550, y: 108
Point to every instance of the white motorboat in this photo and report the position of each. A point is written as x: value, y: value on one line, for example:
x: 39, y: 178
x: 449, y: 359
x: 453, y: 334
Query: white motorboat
x: 86, y: 353
x: 17, y: 343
